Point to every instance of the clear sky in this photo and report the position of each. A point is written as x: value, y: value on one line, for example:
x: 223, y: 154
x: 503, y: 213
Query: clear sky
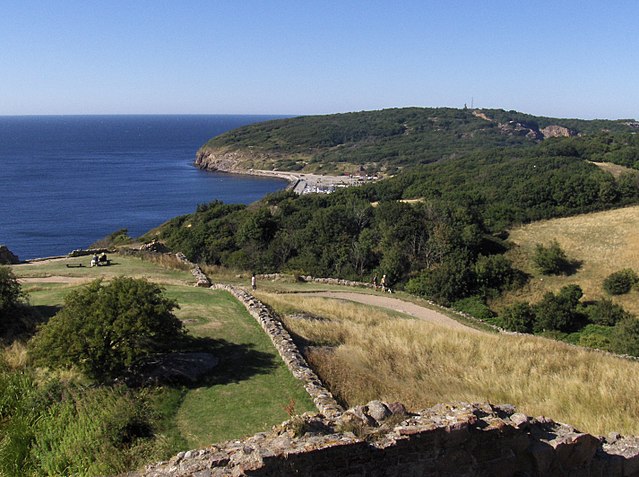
x: 553, y: 58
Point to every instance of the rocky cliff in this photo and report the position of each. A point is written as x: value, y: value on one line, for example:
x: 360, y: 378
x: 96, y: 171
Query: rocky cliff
x: 6, y: 256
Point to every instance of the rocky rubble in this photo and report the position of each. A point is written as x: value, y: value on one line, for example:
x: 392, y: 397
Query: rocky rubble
x: 201, y: 279
x: 458, y: 439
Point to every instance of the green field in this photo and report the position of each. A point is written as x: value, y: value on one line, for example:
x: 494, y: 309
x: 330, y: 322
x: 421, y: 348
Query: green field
x: 248, y: 391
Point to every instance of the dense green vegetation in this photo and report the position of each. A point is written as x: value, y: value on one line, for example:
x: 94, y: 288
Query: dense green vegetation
x: 63, y: 414
x: 393, y: 139
x: 104, y: 329
x: 600, y: 324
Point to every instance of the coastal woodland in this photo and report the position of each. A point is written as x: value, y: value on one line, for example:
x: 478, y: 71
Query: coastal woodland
x: 447, y: 222
x: 456, y: 181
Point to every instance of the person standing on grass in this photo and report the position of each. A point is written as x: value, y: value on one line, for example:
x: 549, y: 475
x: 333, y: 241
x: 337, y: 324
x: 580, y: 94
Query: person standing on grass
x: 383, y: 283
x: 253, y: 282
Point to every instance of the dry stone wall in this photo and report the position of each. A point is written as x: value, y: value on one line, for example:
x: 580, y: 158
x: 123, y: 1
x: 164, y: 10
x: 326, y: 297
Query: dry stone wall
x: 381, y: 439
x: 323, y: 399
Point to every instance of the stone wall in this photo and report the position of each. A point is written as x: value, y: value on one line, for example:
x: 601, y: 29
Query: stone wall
x: 382, y: 440
x: 322, y: 397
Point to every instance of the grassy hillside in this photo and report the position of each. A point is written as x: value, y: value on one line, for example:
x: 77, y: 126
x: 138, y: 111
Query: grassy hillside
x: 391, y: 139
x: 365, y: 353
x: 604, y: 242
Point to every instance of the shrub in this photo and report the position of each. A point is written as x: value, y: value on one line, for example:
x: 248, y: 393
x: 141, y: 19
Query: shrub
x: 605, y: 312
x: 620, y: 282
x: 626, y: 336
x: 519, y: 317
x: 551, y: 260
x: 104, y: 329
x: 558, y: 312
x: 474, y: 306
x: 11, y: 297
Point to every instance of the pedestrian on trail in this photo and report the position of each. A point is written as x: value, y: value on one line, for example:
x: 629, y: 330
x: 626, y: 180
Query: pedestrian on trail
x: 375, y: 282
x: 383, y: 283
x: 253, y: 282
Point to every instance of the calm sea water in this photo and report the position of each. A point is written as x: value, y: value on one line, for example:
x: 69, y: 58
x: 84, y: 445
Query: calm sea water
x: 67, y: 181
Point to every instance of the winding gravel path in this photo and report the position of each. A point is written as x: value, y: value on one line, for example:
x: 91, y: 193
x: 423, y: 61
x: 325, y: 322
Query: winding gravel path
x: 395, y: 304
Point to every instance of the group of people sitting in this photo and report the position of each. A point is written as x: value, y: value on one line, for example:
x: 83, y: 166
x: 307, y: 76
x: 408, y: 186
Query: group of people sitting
x: 100, y: 261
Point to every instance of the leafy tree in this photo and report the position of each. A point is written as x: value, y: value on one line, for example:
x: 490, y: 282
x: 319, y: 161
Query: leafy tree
x: 605, y: 312
x: 621, y: 282
x: 11, y: 297
x: 104, y: 329
x: 519, y: 317
x: 626, y: 336
x: 558, y: 312
x: 550, y: 260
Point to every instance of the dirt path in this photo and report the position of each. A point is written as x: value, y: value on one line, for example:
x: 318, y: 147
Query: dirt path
x: 395, y: 304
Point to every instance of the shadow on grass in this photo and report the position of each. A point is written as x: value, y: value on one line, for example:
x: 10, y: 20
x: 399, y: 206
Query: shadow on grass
x: 237, y: 361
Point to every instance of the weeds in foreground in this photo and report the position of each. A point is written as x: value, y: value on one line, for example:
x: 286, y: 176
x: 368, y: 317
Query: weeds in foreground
x: 378, y: 356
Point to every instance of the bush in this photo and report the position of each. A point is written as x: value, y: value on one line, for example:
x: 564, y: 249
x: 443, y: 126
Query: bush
x: 558, y: 312
x: 621, y: 282
x: 551, y: 260
x: 520, y: 317
x: 11, y: 298
x: 474, y: 306
x: 104, y: 329
x: 605, y: 312
x: 626, y: 336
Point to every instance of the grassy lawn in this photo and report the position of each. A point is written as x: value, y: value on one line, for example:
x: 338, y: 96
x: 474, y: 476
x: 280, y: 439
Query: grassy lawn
x: 246, y: 393
x: 249, y: 389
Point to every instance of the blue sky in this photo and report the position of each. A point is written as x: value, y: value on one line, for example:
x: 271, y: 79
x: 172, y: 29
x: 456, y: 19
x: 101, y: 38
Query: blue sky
x: 553, y: 58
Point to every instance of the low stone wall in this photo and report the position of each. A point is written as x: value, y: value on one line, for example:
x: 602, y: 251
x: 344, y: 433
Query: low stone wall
x: 323, y: 399
x: 458, y: 439
x: 201, y: 279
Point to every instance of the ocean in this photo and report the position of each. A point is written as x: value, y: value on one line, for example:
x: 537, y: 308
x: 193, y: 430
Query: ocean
x: 67, y: 181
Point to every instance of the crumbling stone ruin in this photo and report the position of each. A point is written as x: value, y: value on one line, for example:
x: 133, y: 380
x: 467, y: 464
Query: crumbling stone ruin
x: 382, y: 439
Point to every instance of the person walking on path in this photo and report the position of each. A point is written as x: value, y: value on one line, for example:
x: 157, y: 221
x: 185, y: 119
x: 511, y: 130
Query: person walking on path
x: 253, y: 282
x: 383, y: 283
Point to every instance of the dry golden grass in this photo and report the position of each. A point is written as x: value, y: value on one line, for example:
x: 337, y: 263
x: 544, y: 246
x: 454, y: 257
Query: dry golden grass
x: 365, y: 353
x: 15, y: 355
x: 604, y: 242
x: 615, y: 169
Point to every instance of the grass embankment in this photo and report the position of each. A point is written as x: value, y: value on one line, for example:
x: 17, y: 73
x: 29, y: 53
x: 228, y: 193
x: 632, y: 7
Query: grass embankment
x: 603, y: 242
x: 364, y: 353
x: 247, y: 392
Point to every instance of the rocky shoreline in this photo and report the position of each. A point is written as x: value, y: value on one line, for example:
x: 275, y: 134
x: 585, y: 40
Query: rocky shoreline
x: 236, y: 162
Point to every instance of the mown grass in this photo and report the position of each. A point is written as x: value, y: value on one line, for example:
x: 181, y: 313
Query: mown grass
x: 246, y: 393
x: 365, y: 354
x: 604, y: 242
x: 249, y: 389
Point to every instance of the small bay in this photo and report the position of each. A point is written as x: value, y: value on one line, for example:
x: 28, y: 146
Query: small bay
x: 67, y: 181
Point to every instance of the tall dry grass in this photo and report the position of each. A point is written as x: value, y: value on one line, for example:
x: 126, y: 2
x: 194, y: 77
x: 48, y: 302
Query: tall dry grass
x: 604, y: 242
x: 367, y: 354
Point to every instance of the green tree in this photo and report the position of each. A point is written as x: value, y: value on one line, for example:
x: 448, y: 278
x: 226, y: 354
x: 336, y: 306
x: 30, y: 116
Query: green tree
x: 621, y: 282
x: 550, y: 260
x: 558, y: 312
x: 11, y: 298
x: 104, y: 329
x: 605, y: 312
x: 626, y: 336
x: 519, y: 317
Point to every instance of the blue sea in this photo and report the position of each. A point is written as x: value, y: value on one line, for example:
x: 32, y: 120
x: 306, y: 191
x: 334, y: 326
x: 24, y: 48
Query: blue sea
x: 67, y: 181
